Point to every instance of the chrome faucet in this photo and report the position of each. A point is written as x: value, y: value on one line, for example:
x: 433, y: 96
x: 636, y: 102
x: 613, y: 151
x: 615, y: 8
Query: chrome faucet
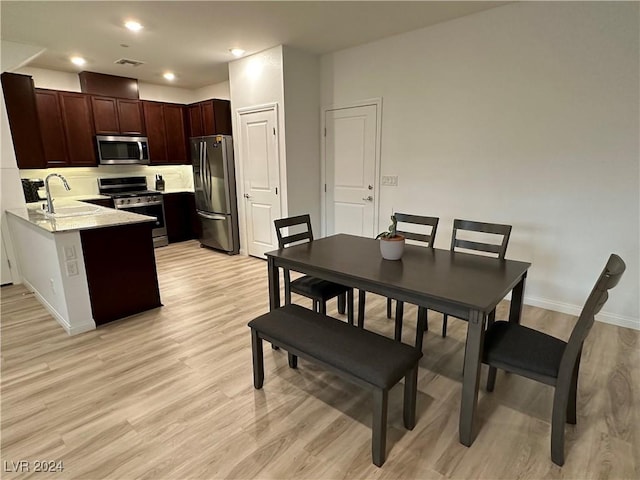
x: 46, y: 188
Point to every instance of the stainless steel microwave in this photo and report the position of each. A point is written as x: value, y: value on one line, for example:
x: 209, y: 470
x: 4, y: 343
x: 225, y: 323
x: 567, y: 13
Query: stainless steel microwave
x: 113, y: 150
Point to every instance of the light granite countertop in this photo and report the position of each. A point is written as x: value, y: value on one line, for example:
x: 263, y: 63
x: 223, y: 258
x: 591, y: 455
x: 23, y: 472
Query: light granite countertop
x: 75, y: 215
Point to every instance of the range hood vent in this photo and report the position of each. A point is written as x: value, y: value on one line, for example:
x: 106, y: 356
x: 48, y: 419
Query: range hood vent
x: 127, y: 61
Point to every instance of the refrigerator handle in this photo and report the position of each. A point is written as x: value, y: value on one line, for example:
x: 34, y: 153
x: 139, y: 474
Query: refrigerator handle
x: 212, y: 216
x: 207, y: 173
x: 202, y: 167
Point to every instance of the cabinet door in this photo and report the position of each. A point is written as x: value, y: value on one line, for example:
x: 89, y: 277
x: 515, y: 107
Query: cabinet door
x: 179, y: 212
x: 195, y: 121
x: 105, y: 115
x: 22, y: 113
x: 208, y: 118
x: 130, y: 117
x: 51, y: 127
x: 154, y: 120
x: 175, y: 134
x: 222, y: 115
x: 76, y: 117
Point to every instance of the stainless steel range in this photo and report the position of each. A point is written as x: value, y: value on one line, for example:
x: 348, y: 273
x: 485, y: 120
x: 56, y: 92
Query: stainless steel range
x: 131, y: 194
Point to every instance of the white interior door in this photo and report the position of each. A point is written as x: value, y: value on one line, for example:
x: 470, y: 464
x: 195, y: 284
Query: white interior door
x: 350, y: 156
x: 261, y: 178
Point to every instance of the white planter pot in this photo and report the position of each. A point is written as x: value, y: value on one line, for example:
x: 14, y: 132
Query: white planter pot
x: 392, y: 248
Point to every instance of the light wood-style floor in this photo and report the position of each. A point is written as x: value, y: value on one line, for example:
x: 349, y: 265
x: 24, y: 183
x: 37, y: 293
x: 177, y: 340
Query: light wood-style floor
x: 168, y: 394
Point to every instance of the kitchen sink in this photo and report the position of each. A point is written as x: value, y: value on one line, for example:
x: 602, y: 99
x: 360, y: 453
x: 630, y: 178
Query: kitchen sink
x: 73, y: 211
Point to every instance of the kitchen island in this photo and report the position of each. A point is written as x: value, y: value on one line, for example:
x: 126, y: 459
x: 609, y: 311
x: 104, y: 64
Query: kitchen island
x: 87, y: 264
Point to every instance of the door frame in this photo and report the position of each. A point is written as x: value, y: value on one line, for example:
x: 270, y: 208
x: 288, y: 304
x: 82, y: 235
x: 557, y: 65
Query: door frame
x: 377, y: 102
x: 239, y: 164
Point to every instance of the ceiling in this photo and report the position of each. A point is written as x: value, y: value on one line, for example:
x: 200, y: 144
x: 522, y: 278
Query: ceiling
x: 192, y: 39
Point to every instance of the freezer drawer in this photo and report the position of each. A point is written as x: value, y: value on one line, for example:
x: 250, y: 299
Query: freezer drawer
x: 218, y: 232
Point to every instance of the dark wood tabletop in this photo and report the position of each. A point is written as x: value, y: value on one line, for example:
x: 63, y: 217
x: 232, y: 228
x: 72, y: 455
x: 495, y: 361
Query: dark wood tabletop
x: 440, y: 279
x: 468, y: 286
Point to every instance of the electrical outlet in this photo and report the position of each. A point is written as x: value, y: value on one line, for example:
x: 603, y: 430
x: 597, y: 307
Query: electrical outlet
x: 53, y: 285
x: 70, y: 252
x: 72, y: 268
x: 390, y: 180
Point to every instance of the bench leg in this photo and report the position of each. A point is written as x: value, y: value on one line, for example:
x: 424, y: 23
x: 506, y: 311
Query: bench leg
x: 410, y: 393
x: 258, y: 361
x: 379, y: 427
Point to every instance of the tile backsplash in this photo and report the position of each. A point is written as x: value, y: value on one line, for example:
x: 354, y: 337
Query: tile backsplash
x: 84, y: 180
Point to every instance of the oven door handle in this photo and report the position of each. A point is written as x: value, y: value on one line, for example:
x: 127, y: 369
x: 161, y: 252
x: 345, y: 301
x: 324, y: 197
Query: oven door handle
x: 211, y: 216
x: 140, y: 150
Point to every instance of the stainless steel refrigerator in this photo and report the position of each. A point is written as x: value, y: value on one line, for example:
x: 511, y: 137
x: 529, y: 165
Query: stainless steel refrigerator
x: 215, y: 188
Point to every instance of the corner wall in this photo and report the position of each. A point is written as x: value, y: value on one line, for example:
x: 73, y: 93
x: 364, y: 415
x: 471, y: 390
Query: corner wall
x: 526, y: 114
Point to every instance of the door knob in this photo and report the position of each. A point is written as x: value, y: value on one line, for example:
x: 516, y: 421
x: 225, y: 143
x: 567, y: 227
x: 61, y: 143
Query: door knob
x: 368, y: 199
x: 246, y: 195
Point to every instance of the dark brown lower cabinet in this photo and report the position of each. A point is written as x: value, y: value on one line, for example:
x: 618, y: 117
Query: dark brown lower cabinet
x: 121, y: 271
x: 180, y: 216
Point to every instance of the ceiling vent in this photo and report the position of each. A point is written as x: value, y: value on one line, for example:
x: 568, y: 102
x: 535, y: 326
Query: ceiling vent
x: 127, y: 61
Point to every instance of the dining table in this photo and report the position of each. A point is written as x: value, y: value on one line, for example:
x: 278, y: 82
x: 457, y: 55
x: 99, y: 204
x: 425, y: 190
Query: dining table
x: 463, y: 285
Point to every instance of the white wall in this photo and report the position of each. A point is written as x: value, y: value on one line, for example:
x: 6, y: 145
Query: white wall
x: 219, y: 90
x: 253, y: 81
x: 44, y: 268
x: 526, y: 114
x: 302, y: 123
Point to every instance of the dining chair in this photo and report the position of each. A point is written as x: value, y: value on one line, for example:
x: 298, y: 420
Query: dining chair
x: 493, y: 249
x: 318, y: 290
x: 426, y: 239
x: 533, y: 354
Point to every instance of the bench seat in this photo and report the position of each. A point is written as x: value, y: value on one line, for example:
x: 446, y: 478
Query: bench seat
x: 363, y: 357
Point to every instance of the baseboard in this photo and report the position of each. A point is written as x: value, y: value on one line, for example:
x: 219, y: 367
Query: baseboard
x: 71, y: 330
x: 604, y: 317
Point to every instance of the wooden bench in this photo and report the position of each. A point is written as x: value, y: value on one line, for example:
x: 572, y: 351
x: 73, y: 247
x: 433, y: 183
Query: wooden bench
x: 363, y: 357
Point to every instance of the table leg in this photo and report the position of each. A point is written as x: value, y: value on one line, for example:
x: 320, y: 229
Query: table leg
x: 471, y: 380
x: 362, y: 295
x: 517, y: 300
x: 274, y: 284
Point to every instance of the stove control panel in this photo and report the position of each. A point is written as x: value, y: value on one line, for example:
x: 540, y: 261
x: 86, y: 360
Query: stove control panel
x: 137, y: 201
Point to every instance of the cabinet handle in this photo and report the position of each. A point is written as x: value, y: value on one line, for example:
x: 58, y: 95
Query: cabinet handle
x: 368, y: 199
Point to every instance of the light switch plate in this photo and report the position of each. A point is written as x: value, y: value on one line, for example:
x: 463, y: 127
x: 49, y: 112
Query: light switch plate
x: 390, y: 180
x: 72, y: 268
x: 70, y: 252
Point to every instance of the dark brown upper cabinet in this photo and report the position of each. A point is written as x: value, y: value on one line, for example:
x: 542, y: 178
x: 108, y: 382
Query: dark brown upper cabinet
x: 22, y: 113
x: 51, y: 128
x: 115, y: 116
x: 211, y: 117
x: 66, y: 128
x: 166, y: 132
x: 78, y: 128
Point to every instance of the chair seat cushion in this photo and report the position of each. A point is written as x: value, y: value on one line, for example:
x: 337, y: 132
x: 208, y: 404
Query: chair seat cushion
x: 312, y: 287
x: 375, y: 359
x: 511, y: 344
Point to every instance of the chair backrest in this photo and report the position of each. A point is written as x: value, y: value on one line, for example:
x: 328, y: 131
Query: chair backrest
x: 282, y: 223
x: 499, y: 249
x: 608, y: 279
x: 418, y: 220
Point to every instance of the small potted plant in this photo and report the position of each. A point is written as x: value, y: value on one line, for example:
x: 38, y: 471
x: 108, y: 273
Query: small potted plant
x: 391, y: 244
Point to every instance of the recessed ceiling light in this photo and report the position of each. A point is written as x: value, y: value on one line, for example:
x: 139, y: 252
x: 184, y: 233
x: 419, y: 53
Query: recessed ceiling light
x: 78, y: 61
x: 169, y: 76
x: 133, y: 25
x: 236, y: 52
